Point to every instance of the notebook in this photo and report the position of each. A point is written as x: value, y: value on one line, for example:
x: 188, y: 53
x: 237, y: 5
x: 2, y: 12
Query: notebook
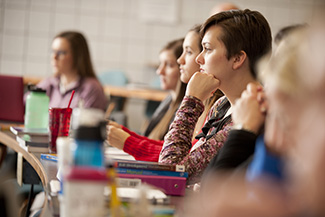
x: 12, y: 107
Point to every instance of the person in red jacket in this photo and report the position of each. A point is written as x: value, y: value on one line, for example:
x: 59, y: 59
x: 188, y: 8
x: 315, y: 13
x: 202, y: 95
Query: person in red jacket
x: 148, y: 149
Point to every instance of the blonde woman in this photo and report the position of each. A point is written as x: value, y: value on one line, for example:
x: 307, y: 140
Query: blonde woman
x: 169, y: 73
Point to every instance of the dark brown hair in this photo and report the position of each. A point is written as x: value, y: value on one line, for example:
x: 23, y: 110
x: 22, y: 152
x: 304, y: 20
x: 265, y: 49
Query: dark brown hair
x: 197, y: 28
x: 80, y: 53
x: 243, y: 30
x: 175, y: 46
x: 216, y: 95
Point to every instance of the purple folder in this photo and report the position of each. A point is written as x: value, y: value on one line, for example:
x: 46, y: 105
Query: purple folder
x: 170, y: 185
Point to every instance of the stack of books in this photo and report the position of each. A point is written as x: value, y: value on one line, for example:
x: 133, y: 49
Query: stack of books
x: 171, y: 179
x: 32, y: 140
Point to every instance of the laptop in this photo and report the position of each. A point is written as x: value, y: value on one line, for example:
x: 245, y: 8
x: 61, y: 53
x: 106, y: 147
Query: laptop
x: 12, y: 108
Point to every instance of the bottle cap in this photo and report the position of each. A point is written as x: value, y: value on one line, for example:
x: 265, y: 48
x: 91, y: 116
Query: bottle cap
x: 34, y: 88
x: 89, y: 117
x: 97, y: 133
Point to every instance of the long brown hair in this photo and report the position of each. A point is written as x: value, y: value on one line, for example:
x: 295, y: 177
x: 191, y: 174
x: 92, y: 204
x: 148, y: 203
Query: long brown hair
x: 80, y: 52
x: 208, y: 103
x: 161, y: 128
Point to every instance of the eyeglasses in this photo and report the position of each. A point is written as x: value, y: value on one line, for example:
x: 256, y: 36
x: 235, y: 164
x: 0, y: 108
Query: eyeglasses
x: 59, y: 53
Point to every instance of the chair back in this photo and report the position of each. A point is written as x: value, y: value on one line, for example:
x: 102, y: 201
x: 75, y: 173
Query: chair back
x: 153, y: 105
x: 116, y: 78
x: 12, y: 107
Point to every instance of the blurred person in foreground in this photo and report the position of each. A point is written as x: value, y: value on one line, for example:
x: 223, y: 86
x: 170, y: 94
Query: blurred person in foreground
x: 224, y: 6
x: 294, y: 104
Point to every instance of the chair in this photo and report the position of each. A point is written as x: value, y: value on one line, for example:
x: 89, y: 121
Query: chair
x: 3, y: 153
x: 152, y: 105
x: 115, y: 78
x: 12, y: 107
x: 9, y: 204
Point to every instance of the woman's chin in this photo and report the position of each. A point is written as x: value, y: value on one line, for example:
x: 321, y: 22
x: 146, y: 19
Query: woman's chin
x: 56, y: 73
x: 185, y: 79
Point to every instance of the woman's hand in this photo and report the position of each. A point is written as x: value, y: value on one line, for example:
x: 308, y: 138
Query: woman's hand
x: 115, y: 124
x: 116, y: 136
x: 250, y: 109
x: 202, y: 85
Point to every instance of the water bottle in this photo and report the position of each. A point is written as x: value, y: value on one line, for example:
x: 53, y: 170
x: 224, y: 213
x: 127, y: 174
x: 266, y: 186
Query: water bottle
x: 37, y: 108
x: 89, y: 133
x: 89, y: 149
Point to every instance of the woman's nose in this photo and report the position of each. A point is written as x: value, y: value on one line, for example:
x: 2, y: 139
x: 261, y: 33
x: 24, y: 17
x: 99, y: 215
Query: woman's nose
x: 54, y: 55
x: 160, y: 70
x: 181, y: 60
x: 199, y: 59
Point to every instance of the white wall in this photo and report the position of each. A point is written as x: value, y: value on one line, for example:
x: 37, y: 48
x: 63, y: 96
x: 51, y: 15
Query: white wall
x: 117, y: 39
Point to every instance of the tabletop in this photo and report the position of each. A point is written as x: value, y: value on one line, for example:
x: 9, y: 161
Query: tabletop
x: 129, y: 91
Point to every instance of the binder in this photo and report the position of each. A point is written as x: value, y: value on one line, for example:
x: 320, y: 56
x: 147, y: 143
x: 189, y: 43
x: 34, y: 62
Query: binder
x: 151, y: 172
x: 146, y: 165
x: 170, y: 185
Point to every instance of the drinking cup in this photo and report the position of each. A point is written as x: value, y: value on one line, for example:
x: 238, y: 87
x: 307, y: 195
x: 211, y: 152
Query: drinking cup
x: 59, y: 125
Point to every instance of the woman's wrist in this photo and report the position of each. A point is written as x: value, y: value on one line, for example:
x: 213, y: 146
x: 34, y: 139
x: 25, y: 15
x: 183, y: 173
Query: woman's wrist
x: 245, y: 127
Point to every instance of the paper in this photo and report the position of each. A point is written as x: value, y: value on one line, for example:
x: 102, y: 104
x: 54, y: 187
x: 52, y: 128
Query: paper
x: 126, y: 193
x: 115, y: 153
x: 55, y: 186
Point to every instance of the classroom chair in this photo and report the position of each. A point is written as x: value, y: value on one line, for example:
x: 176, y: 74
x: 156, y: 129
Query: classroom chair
x: 115, y: 78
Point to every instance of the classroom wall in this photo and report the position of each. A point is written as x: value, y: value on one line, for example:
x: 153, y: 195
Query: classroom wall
x: 118, y: 40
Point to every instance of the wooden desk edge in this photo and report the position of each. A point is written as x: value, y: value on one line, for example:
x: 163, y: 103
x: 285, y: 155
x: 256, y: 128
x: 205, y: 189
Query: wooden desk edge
x: 146, y: 94
x: 30, y: 158
x: 139, y: 93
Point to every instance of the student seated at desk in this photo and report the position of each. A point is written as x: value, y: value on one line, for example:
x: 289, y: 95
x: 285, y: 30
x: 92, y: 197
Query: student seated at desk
x: 232, y: 42
x: 169, y: 73
x: 144, y: 148
x: 73, y: 70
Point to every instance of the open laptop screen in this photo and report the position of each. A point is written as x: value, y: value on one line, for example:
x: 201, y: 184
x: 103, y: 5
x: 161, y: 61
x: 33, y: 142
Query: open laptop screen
x: 11, y: 98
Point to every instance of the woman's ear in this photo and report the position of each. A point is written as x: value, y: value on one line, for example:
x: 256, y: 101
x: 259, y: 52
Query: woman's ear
x: 239, y: 59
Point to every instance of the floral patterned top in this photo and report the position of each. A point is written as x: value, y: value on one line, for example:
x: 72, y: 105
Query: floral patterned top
x: 177, y: 148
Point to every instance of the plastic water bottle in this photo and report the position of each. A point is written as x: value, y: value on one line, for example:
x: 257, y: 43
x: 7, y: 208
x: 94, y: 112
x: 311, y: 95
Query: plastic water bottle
x: 89, y: 150
x: 89, y: 133
x: 37, y: 108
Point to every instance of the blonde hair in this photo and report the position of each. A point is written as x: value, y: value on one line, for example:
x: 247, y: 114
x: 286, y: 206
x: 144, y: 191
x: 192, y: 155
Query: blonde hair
x: 281, y: 71
x: 159, y: 131
x: 161, y: 128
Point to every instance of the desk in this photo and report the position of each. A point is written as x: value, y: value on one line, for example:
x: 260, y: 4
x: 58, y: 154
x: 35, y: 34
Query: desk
x: 133, y: 92
x: 31, y: 159
x: 5, y: 126
x: 47, y: 171
x: 127, y: 92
